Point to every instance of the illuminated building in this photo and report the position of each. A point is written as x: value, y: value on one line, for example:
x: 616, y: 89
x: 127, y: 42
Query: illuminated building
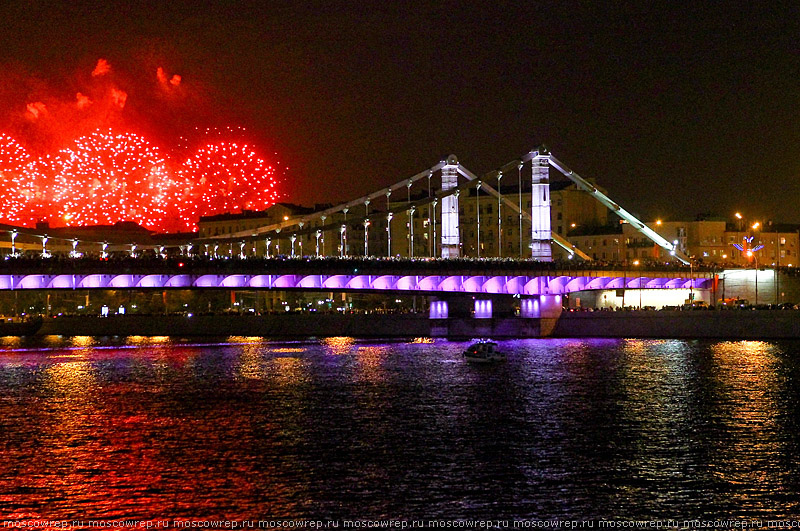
x: 709, y: 241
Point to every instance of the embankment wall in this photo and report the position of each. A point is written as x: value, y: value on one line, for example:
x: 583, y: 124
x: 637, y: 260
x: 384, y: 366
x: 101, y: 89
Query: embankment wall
x: 740, y: 324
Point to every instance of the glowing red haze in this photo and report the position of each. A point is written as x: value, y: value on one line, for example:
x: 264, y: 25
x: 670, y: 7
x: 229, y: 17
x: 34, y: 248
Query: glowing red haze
x: 112, y: 174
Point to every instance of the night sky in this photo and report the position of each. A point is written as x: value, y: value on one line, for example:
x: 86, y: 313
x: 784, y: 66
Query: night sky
x: 675, y: 110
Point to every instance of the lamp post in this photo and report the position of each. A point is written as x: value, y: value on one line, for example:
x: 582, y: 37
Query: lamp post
x: 755, y: 257
x: 366, y: 237
x: 755, y: 227
x: 389, y: 233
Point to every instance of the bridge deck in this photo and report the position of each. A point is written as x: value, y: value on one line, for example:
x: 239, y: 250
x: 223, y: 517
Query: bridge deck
x: 423, y: 276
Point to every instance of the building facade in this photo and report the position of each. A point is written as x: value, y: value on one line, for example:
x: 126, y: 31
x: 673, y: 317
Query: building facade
x: 706, y: 241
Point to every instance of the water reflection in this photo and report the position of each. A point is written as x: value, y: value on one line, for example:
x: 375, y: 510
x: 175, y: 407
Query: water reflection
x: 338, y: 346
x: 746, y: 385
x: 590, y: 428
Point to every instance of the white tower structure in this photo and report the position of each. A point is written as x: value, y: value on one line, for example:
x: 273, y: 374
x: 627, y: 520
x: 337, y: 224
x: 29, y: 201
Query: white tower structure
x: 450, y: 238
x: 540, y: 206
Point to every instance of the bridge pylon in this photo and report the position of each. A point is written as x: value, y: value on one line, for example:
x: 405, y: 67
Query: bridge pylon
x: 541, y: 249
x: 450, y: 242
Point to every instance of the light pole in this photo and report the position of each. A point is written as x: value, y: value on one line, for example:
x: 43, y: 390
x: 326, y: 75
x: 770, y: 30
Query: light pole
x: 389, y: 233
x: 755, y: 257
x: 366, y: 237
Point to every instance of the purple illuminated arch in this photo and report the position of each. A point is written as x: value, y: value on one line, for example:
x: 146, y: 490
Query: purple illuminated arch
x: 234, y: 281
x: 388, y: 282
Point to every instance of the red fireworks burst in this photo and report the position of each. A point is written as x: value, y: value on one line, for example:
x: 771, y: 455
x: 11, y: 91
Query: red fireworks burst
x: 225, y: 177
x: 112, y: 174
x: 108, y: 177
x: 13, y: 157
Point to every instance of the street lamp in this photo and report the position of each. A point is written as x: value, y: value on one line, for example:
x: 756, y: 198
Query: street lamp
x: 636, y: 263
x: 753, y: 255
x: 389, y: 217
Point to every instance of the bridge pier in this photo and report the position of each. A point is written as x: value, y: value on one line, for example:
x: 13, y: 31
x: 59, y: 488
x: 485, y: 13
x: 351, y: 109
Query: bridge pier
x: 466, y: 316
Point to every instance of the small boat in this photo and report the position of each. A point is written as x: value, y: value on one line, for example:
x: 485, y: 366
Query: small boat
x: 483, y: 352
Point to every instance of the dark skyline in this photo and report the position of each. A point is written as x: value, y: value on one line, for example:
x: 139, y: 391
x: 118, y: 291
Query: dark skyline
x: 675, y: 110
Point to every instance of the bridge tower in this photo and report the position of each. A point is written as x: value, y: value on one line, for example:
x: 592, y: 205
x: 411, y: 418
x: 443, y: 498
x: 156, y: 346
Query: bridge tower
x: 450, y: 238
x: 540, y: 205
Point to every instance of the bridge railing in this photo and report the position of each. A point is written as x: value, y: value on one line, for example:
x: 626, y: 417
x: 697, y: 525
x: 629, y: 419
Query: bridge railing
x: 150, y: 264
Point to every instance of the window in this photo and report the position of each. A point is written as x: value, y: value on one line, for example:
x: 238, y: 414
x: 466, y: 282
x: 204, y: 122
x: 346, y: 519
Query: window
x: 783, y: 241
x: 559, y: 229
x: 558, y: 216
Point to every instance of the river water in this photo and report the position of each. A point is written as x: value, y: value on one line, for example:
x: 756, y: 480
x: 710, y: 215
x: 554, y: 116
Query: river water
x: 337, y: 428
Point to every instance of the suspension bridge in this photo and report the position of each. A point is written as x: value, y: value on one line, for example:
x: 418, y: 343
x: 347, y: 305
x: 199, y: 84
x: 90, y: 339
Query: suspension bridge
x: 424, y: 207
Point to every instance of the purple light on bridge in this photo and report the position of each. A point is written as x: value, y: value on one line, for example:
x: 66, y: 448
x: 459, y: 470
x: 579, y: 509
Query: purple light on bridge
x: 483, y: 309
x: 438, y: 310
x: 519, y: 285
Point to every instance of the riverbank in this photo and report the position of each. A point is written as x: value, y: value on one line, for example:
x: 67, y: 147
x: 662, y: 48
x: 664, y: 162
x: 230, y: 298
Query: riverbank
x: 761, y: 324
